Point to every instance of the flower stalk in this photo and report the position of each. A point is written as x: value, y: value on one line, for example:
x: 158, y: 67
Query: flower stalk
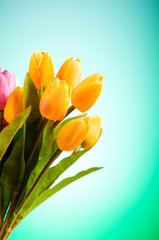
x: 17, y: 195
x: 54, y: 157
x: 36, y: 141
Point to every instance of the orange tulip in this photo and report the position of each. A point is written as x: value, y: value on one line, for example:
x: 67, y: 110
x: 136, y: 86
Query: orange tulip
x: 55, y: 100
x: 14, y: 105
x: 71, y: 71
x: 94, y: 132
x: 41, y: 69
x: 87, y: 92
x: 73, y: 133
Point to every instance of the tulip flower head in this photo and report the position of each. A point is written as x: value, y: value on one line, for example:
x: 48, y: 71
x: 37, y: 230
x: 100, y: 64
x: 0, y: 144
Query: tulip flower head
x: 14, y: 105
x: 94, y: 132
x: 87, y: 92
x: 72, y: 134
x: 7, y: 85
x: 55, y: 100
x: 41, y: 69
x: 71, y: 72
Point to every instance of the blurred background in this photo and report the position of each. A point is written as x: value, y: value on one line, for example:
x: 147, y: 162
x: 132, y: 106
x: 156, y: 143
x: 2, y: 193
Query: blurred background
x: 120, y: 40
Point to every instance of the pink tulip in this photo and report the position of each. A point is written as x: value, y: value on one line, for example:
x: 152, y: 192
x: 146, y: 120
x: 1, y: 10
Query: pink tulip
x: 7, y: 85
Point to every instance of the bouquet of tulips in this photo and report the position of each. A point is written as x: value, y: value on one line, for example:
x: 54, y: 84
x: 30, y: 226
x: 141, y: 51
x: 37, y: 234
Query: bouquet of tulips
x: 34, y: 132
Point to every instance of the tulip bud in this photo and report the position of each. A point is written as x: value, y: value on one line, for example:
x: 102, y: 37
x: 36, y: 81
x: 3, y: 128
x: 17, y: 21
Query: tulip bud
x: 7, y: 85
x: 94, y: 132
x: 14, y: 105
x: 55, y: 100
x: 87, y: 92
x: 41, y: 69
x: 71, y: 71
x: 72, y: 134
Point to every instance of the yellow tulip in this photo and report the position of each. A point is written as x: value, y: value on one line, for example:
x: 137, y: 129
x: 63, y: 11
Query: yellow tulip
x: 55, y: 100
x: 41, y: 69
x: 71, y: 71
x: 94, y: 132
x: 87, y: 92
x: 14, y: 105
x: 73, y: 133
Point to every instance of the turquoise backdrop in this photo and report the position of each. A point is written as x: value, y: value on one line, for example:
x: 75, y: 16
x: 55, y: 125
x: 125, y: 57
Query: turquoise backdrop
x: 120, y: 40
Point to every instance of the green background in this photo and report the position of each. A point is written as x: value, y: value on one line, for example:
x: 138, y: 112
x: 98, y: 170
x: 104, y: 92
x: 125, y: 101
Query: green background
x: 120, y: 40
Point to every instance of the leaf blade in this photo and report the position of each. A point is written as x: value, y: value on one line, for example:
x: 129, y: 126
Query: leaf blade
x: 49, y: 192
x: 44, y: 156
x: 13, y: 171
x: 51, y: 175
x: 8, y: 133
x: 54, y: 172
x: 31, y: 98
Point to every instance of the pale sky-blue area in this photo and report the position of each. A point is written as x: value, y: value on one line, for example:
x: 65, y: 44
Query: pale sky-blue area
x: 119, y: 39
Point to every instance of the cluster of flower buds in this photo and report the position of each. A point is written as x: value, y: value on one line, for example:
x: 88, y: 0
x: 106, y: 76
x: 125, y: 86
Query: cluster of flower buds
x: 57, y: 93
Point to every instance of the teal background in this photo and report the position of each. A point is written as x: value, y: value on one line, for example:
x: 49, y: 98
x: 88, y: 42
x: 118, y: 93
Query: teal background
x: 120, y: 40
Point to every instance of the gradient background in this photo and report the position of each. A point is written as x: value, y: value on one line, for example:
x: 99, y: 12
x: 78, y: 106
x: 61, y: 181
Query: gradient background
x: 120, y: 40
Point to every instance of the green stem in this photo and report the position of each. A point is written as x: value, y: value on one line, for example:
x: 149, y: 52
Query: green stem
x: 36, y: 141
x: 37, y: 138
x: 41, y: 91
x: 17, y: 189
x: 24, y: 135
x: 70, y: 109
x: 11, y: 209
x: 11, y: 229
x: 1, y: 221
x: 52, y: 159
x: 44, y: 122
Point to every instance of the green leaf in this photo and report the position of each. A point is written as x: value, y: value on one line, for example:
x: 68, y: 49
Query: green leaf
x: 51, y: 175
x: 31, y: 98
x: 54, y: 172
x: 32, y: 124
x: 10, y: 131
x: 49, y: 192
x: 13, y: 171
x: 44, y: 156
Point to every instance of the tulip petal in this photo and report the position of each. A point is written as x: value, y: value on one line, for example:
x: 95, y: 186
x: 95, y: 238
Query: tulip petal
x: 71, y: 71
x: 46, y: 70
x: 4, y: 91
x: 14, y: 105
x: 11, y: 80
x: 85, y: 97
x: 55, y: 100
x: 87, y: 92
x: 34, y: 72
x: 13, y: 83
x: 69, y: 133
x: 53, y: 107
x: 38, y: 57
x: 72, y: 134
x: 81, y: 136
x: 7, y: 75
x: 63, y: 68
x: 94, y: 132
